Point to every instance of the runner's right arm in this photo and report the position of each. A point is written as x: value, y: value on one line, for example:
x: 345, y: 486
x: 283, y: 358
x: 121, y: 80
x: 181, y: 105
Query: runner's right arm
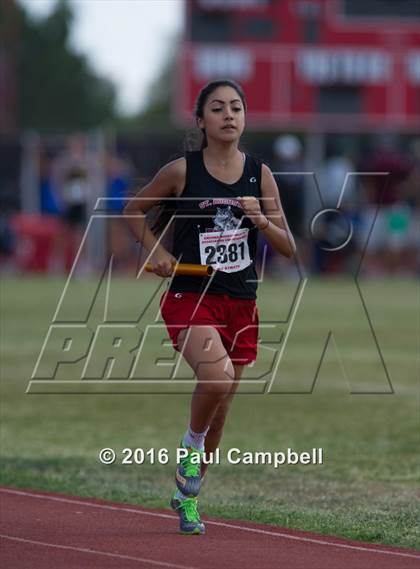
x: 168, y: 182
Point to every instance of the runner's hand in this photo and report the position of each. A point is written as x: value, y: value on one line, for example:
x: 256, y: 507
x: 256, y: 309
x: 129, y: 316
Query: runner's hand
x: 252, y: 209
x: 162, y: 262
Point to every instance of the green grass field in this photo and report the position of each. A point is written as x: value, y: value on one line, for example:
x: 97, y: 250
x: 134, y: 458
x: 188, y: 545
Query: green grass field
x: 366, y: 489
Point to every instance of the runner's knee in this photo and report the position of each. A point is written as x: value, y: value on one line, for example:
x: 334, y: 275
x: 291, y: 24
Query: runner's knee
x: 215, y: 378
x: 203, y: 349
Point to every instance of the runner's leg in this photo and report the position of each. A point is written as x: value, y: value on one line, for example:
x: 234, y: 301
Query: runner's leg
x: 216, y: 426
x: 203, y: 350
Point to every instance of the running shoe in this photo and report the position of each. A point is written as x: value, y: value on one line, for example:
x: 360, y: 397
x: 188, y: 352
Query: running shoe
x: 189, y: 519
x: 188, y: 473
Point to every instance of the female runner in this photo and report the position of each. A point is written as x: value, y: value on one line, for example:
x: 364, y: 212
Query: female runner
x: 212, y: 321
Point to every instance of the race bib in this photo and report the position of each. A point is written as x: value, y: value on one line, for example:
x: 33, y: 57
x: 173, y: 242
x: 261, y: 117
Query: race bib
x: 225, y: 251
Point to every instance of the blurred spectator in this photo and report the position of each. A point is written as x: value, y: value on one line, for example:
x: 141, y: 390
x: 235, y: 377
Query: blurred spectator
x: 9, y: 201
x: 333, y: 174
x: 333, y: 179
x: 288, y: 162
x: 72, y: 176
x: 7, y: 242
x: 49, y: 200
x: 287, y: 168
x: 412, y: 193
x: 387, y: 200
x: 7, y: 233
x: 118, y: 181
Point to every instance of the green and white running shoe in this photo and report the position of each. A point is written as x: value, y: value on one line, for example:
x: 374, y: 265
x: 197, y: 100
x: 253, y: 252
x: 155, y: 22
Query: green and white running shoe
x: 189, y: 519
x: 188, y: 473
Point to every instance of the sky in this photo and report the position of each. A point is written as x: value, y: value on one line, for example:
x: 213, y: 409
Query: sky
x: 125, y: 40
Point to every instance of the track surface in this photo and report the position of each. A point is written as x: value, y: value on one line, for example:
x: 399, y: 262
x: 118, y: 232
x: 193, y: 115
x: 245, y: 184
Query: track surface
x: 40, y: 530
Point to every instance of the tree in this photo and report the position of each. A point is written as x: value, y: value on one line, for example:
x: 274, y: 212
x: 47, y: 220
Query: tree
x: 58, y: 89
x: 156, y: 116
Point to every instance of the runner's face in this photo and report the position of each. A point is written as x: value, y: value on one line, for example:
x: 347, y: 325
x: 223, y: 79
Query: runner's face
x: 224, y: 115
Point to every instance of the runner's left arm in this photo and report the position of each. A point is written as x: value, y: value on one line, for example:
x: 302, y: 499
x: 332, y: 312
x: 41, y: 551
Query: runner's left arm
x: 270, y: 219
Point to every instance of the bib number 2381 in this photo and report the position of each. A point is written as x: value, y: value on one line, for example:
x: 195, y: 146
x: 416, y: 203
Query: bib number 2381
x: 225, y: 250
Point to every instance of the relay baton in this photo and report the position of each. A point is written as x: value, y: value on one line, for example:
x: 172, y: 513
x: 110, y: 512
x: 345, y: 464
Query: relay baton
x: 188, y: 269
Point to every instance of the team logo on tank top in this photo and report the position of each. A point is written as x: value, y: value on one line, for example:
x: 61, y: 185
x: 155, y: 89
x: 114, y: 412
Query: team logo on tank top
x: 225, y: 245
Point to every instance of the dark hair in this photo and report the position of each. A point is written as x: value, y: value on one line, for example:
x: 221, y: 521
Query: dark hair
x: 167, y: 207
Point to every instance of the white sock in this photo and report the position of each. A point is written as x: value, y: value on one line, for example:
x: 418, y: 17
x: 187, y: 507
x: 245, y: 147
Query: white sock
x: 193, y: 439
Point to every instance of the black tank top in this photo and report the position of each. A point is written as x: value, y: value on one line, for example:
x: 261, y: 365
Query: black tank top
x: 210, y: 229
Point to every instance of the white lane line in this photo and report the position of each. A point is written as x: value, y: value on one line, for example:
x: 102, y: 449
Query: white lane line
x: 95, y: 552
x: 221, y: 524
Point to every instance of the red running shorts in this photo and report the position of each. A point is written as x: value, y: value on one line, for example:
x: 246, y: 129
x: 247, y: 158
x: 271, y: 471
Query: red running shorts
x: 235, y: 319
